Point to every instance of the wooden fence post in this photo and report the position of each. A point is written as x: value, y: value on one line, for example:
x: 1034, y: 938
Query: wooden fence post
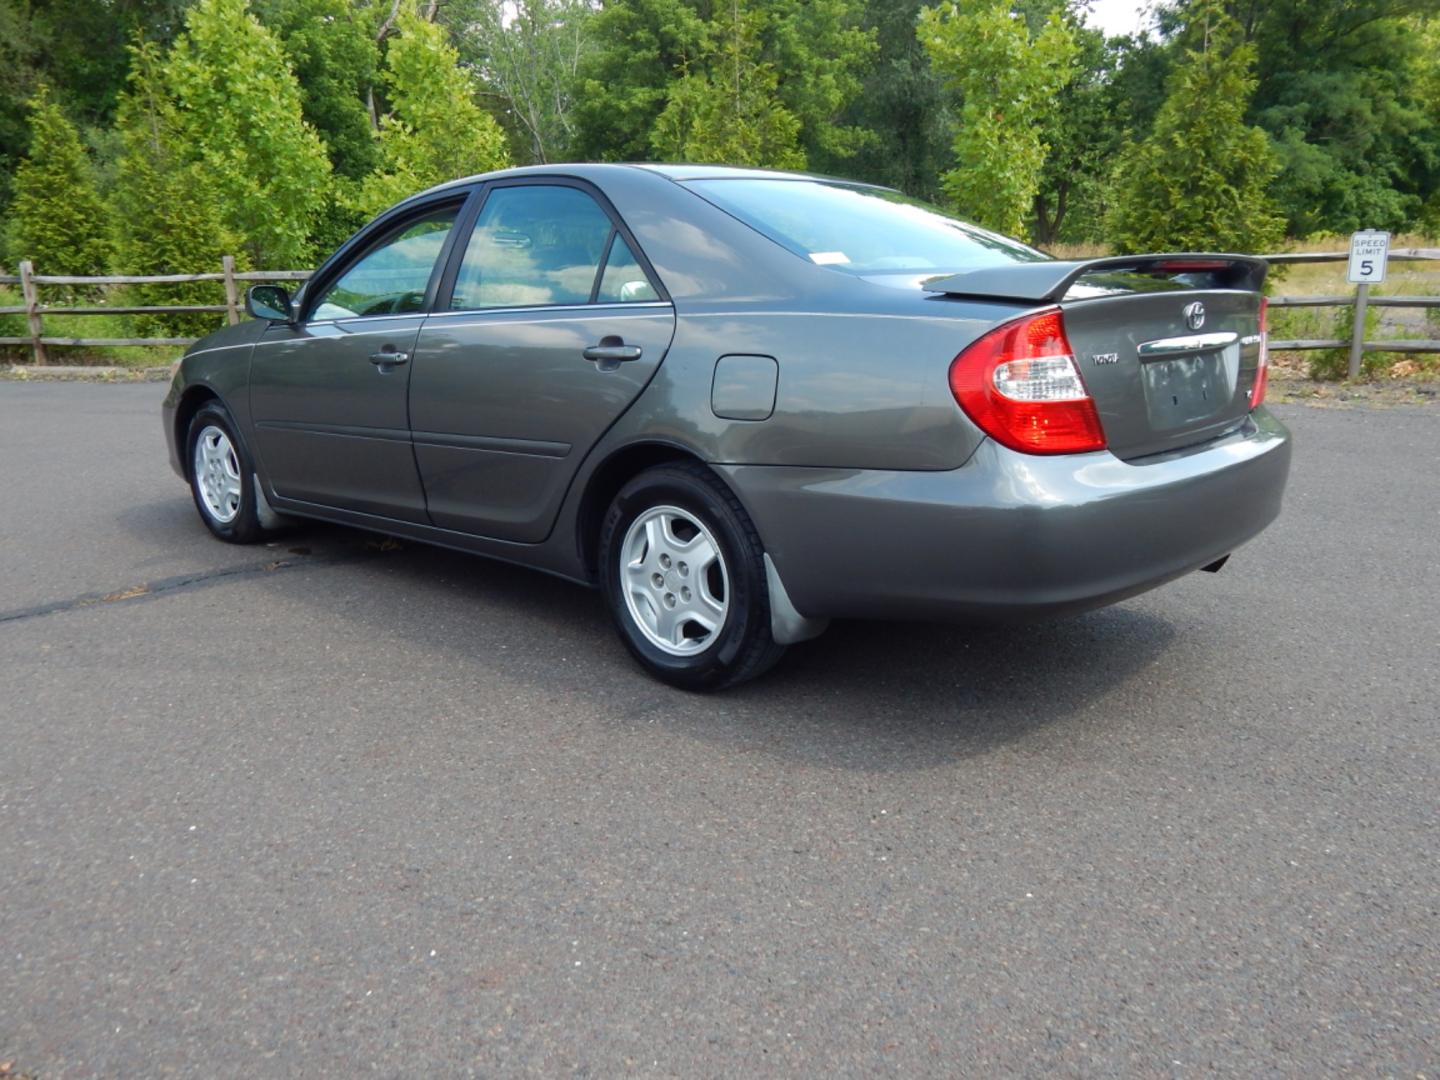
x: 32, y: 310
x: 232, y: 297
x: 1357, y: 338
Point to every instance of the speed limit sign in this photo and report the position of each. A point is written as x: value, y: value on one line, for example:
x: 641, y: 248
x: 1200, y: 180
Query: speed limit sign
x: 1368, y: 250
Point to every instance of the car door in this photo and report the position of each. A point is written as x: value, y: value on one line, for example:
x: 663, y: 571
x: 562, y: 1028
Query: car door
x: 328, y: 392
x: 554, y: 326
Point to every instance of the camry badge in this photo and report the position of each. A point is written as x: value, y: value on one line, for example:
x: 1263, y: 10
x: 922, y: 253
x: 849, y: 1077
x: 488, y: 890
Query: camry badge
x: 1194, y: 315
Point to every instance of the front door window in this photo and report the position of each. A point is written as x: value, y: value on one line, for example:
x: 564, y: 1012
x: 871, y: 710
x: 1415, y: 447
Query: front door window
x: 393, y: 276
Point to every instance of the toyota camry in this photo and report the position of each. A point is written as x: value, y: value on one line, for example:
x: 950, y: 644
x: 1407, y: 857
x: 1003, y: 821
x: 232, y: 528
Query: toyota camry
x: 744, y: 403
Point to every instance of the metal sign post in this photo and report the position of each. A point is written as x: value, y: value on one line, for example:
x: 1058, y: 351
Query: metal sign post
x: 1369, y: 249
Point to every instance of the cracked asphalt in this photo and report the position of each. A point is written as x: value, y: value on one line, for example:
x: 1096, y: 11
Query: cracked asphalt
x: 337, y: 807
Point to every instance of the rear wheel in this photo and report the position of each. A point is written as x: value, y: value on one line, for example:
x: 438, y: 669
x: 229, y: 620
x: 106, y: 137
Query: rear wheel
x: 222, y: 477
x: 683, y: 571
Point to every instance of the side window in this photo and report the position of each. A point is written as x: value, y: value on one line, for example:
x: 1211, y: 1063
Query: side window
x: 391, y: 277
x: 623, y: 281
x: 532, y: 245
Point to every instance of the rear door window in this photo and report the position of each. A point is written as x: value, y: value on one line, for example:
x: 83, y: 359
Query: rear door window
x: 533, y: 246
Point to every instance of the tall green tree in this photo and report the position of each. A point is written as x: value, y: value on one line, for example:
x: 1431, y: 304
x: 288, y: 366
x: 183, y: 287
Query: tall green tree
x: 1340, y: 90
x: 435, y: 130
x: 164, y: 202
x: 59, y: 220
x: 1006, y: 78
x: 727, y: 110
x: 640, y: 45
x: 816, y: 51
x: 1082, y: 129
x: 902, y: 105
x: 241, y: 109
x: 332, y: 48
x: 1201, y: 178
x: 530, y: 53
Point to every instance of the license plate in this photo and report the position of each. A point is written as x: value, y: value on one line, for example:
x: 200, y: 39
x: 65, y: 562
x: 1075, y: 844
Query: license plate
x: 1185, y: 390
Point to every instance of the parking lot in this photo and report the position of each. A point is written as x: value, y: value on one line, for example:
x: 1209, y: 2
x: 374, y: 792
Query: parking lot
x: 340, y: 807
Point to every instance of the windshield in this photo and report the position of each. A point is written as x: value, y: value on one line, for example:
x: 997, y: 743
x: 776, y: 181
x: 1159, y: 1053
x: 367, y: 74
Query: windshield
x: 861, y: 230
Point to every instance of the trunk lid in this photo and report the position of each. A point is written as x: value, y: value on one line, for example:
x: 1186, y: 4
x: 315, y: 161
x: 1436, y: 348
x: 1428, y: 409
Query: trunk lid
x: 1167, y: 345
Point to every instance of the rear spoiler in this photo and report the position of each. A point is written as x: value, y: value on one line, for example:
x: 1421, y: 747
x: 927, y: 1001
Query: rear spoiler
x: 1050, y: 280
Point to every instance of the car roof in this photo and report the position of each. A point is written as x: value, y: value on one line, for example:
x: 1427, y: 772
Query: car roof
x: 597, y: 171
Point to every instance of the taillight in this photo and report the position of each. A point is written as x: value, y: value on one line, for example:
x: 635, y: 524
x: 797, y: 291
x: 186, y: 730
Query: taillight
x: 1021, y: 385
x: 1262, y: 373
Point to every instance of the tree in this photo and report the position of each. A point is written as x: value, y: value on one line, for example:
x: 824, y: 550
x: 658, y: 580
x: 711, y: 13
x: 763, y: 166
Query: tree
x: 164, y: 203
x: 727, y: 111
x: 1201, y: 179
x: 903, y: 106
x: 434, y: 131
x: 240, y: 107
x: 1341, y: 92
x: 814, y: 49
x: 1083, y: 129
x: 530, y: 52
x: 333, y: 51
x: 1006, y: 77
x: 60, y: 222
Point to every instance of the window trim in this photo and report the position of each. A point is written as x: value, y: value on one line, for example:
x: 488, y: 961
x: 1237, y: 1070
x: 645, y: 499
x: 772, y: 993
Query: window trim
x: 392, y: 221
x: 444, y: 294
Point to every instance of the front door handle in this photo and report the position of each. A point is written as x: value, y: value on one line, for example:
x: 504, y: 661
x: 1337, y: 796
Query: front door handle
x: 613, y: 351
x: 389, y: 357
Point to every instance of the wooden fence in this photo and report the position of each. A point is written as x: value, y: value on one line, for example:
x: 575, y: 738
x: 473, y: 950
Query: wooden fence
x: 35, y: 312
x: 1360, y: 300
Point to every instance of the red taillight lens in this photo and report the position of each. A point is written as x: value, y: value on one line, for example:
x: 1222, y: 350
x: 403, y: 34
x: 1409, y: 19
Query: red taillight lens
x: 1021, y: 385
x: 1262, y: 373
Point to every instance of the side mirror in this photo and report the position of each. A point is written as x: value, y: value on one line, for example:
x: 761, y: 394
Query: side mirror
x: 270, y: 302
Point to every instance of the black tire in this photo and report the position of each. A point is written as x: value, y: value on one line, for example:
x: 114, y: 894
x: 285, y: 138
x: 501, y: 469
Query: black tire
x: 244, y: 526
x: 743, y: 647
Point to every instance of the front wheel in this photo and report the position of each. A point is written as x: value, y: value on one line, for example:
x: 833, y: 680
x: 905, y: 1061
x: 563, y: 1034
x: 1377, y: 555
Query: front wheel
x: 683, y: 571
x: 222, y: 478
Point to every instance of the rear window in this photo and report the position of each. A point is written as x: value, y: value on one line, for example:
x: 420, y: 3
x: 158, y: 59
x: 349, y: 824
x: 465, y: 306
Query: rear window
x: 861, y: 230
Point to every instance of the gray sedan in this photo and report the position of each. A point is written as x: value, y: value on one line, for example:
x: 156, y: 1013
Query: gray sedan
x: 744, y: 403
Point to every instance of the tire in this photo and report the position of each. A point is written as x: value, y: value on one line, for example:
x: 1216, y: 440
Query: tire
x: 699, y: 623
x: 222, y: 476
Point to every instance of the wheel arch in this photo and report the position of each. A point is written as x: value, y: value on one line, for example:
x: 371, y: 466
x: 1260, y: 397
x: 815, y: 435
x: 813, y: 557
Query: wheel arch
x: 191, y: 402
x: 605, y: 482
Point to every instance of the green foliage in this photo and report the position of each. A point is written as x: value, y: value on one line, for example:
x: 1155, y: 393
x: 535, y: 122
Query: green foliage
x: 1083, y: 129
x: 60, y: 222
x: 435, y: 131
x: 1332, y: 365
x: 332, y: 49
x: 727, y: 110
x: 164, y: 205
x: 1200, y: 180
x: 1342, y: 93
x: 530, y: 52
x: 806, y: 56
x: 240, y: 108
x: 1007, y: 78
x: 904, y: 107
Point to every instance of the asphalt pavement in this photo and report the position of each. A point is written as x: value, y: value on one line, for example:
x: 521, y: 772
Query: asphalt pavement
x: 336, y: 807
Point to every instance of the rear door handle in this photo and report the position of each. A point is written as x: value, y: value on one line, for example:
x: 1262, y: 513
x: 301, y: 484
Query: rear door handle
x: 614, y: 354
x: 389, y: 358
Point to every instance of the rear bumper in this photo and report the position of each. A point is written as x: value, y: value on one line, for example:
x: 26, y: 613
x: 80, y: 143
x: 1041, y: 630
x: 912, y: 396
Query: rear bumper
x: 1011, y: 535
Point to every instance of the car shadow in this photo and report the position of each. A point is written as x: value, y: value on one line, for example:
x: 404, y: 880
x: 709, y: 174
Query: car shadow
x: 865, y: 695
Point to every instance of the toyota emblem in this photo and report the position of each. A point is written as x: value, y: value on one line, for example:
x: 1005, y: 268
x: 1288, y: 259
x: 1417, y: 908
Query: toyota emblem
x: 1195, y: 315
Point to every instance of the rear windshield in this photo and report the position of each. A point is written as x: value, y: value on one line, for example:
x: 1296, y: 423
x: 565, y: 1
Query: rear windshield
x: 862, y: 230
